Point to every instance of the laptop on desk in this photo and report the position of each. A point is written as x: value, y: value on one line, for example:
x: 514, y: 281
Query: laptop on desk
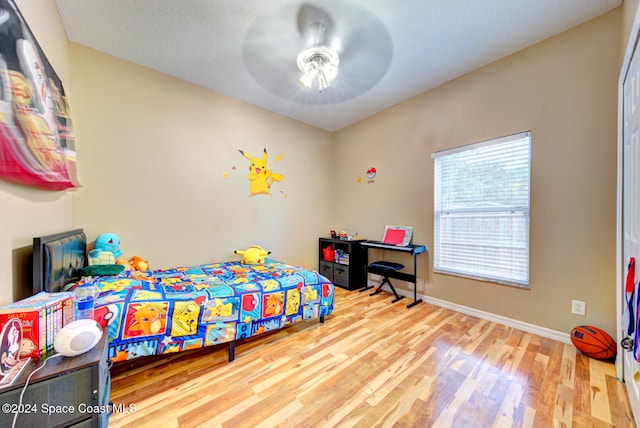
x: 397, y: 235
x: 394, y: 236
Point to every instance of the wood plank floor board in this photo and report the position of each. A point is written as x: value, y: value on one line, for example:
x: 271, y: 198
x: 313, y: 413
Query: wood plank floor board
x: 617, y: 396
x: 581, y: 387
x: 479, y: 410
x: 376, y: 364
x: 510, y: 408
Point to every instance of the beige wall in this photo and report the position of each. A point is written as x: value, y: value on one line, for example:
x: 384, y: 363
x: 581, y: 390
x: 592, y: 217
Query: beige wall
x: 153, y: 151
x: 28, y: 212
x: 564, y: 90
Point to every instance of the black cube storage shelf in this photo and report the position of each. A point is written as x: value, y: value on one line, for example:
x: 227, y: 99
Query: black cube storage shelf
x: 347, y: 267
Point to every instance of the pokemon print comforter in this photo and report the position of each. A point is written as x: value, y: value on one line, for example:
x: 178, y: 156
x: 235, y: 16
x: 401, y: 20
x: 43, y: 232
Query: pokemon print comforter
x: 171, y: 310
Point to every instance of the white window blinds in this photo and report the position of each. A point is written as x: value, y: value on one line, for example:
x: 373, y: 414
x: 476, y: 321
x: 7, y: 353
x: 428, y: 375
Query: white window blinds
x: 481, y: 210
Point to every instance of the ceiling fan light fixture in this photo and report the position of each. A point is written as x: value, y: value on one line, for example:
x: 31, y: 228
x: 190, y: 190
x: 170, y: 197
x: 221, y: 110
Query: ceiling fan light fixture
x: 323, y: 83
x: 307, y: 80
x: 318, y: 63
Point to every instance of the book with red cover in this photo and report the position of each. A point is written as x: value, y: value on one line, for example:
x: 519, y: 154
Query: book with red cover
x: 37, y: 314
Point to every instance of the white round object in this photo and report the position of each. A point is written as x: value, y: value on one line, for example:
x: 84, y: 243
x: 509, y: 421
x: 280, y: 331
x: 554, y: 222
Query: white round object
x: 77, y: 337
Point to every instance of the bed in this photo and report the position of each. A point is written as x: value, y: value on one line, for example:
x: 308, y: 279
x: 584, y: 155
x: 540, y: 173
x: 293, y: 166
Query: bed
x: 171, y: 310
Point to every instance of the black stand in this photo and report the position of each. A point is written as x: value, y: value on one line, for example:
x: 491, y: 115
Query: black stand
x: 385, y: 269
x: 387, y: 273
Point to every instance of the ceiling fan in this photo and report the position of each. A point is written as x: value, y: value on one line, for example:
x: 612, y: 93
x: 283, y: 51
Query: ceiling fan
x: 280, y: 46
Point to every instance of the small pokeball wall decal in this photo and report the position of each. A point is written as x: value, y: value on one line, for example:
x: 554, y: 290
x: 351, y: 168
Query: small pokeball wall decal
x: 371, y: 174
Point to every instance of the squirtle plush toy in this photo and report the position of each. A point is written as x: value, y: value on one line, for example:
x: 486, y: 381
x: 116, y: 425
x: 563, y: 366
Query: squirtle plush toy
x: 254, y: 255
x: 106, y: 251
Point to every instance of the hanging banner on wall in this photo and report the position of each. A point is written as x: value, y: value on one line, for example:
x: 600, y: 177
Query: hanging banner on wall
x: 37, y: 146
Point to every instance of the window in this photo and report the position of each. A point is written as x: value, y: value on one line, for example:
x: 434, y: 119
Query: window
x: 481, y: 210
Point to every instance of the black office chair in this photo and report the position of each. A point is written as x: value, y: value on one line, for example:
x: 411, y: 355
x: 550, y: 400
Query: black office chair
x: 385, y: 269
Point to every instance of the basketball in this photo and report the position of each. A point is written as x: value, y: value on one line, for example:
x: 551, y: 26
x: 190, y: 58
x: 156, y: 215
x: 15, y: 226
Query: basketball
x: 593, y: 342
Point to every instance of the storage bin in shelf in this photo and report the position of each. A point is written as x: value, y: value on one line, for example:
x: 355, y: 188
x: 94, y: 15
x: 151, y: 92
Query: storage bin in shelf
x: 328, y: 253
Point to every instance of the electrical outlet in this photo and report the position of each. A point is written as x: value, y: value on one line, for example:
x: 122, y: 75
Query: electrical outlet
x: 578, y: 307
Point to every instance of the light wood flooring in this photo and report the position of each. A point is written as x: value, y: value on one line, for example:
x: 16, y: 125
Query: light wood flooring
x: 373, y: 363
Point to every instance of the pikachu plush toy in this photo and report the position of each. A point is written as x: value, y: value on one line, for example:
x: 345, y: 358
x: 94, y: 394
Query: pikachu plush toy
x: 253, y: 255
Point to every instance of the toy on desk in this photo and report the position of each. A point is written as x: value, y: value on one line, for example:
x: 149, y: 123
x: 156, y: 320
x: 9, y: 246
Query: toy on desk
x: 347, y: 237
x: 356, y: 237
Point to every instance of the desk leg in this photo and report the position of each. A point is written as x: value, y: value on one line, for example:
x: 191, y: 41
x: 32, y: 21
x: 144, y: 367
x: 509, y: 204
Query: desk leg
x: 415, y: 302
x: 415, y: 283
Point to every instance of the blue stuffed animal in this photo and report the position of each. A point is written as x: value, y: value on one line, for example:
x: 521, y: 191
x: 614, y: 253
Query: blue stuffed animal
x: 106, y: 251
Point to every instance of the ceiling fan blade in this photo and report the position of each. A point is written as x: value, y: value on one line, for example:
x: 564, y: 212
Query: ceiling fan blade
x: 309, y: 16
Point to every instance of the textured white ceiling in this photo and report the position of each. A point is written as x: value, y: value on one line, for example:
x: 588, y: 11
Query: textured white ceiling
x: 390, y: 50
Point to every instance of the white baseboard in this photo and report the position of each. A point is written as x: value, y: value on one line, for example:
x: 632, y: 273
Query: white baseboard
x: 510, y: 322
